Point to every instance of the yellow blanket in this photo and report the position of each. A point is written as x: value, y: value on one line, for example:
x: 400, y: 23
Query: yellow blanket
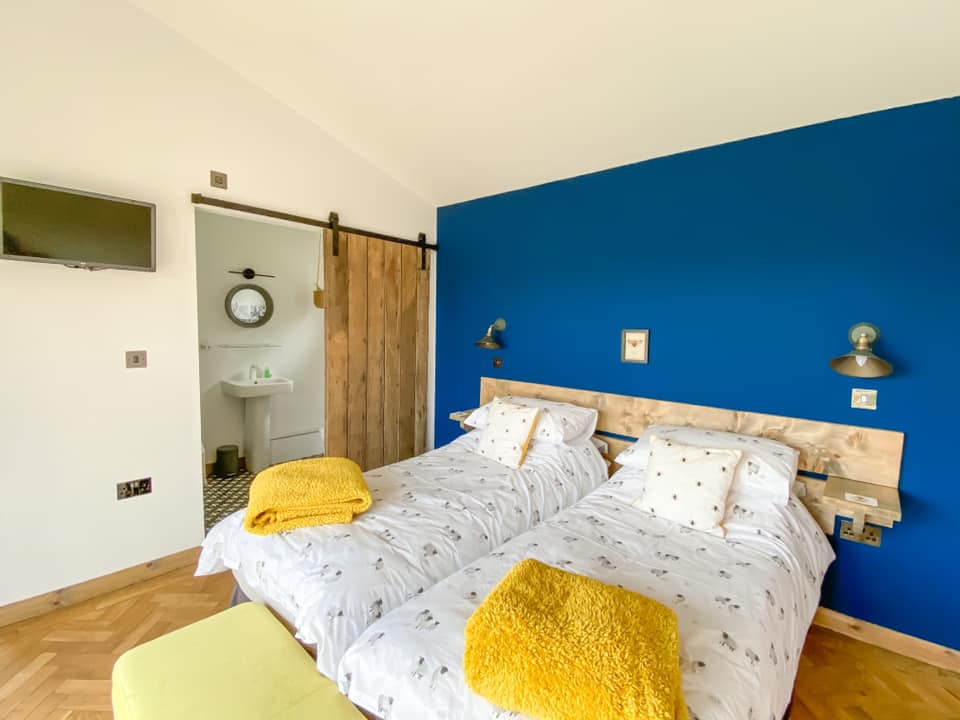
x: 303, y: 493
x: 558, y: 646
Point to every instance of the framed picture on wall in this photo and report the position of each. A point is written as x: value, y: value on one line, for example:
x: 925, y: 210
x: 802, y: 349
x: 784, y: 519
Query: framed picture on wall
x: 634, y: 346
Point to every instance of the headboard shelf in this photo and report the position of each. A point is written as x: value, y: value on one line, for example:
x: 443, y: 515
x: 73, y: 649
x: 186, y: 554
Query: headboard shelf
x: 869, y: 455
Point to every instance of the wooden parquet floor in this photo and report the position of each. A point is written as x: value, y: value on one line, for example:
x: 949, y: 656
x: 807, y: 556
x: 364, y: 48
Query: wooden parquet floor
x: 58, y: 666
x: 845, y: 679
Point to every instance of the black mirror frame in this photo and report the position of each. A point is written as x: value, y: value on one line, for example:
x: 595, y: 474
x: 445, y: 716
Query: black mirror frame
x: 248, y: 286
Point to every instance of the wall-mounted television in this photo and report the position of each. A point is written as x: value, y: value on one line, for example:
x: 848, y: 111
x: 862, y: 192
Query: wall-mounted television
x: 78, y: 229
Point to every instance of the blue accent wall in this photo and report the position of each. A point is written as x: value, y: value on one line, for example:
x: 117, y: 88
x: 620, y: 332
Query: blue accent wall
x: 748, y: 262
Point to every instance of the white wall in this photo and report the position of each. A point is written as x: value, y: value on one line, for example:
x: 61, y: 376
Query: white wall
x: 100, y: 97
x: 225, y: 242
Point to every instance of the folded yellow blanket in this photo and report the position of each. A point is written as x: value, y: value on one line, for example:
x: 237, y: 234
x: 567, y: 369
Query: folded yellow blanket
x: 558, y: 646
x: 303, y: 493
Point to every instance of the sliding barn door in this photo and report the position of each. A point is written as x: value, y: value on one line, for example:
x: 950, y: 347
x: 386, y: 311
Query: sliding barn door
x: 376, y: 300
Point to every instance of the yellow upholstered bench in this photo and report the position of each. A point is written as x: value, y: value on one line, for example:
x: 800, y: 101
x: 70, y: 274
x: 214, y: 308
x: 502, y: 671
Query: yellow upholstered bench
x: 240, y: 664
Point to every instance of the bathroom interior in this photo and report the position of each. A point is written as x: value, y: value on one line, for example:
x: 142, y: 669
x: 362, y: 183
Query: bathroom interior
x: 261, y: 334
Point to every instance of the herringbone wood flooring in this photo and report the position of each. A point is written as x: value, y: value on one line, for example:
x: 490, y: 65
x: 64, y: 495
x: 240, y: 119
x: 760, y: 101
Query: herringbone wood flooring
x: 844, y: 679
x: 58, y: 666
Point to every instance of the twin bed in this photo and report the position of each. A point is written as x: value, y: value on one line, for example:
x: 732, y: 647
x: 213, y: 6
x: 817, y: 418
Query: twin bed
x: 432, y: 514
x: 743, y: 604
x: 386, y: 598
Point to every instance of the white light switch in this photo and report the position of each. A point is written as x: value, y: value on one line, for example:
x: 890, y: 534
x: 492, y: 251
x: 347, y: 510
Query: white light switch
x: 136, y: 358
x: 863, y: 399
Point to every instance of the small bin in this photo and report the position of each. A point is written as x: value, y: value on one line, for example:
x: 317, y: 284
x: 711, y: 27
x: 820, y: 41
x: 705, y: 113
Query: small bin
x: 228, y: 461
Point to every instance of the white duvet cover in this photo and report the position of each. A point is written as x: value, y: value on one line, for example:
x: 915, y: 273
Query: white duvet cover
x: 431, y: 515
x: 744, y: 605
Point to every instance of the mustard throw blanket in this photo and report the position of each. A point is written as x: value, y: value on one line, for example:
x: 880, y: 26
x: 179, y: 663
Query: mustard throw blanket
x: 558, y: 646
x: 303, y: 493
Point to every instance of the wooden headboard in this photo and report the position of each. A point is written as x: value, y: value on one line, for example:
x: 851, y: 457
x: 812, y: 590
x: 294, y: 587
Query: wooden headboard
x: 864, y: 454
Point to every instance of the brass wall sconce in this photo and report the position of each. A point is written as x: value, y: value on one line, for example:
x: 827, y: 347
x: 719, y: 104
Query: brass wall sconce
x: 861, y: 362
x: 488, y: 341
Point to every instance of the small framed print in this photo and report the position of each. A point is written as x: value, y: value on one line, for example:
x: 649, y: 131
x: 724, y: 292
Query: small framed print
x: 634, y: 346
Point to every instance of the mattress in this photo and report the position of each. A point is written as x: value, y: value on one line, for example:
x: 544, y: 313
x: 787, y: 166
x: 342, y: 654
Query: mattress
x: 431, y: 515
x: 744, y: 604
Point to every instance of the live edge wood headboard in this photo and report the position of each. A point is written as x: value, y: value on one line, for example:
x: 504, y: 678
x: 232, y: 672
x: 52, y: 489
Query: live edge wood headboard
x: 864, y: 454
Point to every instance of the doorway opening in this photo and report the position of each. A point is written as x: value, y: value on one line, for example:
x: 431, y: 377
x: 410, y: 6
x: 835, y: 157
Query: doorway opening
x: 261, y: 335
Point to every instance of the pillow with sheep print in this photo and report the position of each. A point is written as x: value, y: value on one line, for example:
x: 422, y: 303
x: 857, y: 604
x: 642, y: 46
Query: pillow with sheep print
x: 507, y: 433
x: 688, y: 484
x: 559, y: 422
x: 767, y: 470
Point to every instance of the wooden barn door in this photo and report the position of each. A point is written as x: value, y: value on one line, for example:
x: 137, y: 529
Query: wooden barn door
x: 376, y: 300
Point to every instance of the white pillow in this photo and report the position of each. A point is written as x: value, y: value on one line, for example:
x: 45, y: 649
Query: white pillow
x: 559, y: 422
x: 507, y: 433
x: 688, y: 484
x: 768, y: 470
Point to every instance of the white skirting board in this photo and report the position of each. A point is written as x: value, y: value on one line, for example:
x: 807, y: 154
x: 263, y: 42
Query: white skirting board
x: 296, y: 446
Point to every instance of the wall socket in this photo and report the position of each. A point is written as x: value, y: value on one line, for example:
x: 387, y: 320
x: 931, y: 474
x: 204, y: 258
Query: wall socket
x: 870, y: 535
x: 218, y: 179
x: 132, y: 488
x: 136, y: 358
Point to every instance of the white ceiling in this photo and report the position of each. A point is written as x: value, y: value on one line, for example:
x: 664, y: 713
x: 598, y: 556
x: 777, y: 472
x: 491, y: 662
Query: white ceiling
x: 461, y: 99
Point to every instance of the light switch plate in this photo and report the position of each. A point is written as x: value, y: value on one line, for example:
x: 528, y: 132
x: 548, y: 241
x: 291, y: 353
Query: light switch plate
x: 218, y: 179
x: 863, y: 399
x: 136, y: 358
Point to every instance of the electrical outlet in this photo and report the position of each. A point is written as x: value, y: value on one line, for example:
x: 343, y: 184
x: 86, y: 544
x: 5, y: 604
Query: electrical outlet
x: 136, y: 358
x: 863, y: 399
x: 218, y: 179
x: 870, y: 535
x: 132, y: 488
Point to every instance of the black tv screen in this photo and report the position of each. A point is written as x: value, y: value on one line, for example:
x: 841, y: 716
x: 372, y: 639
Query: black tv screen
x: 75, y: 228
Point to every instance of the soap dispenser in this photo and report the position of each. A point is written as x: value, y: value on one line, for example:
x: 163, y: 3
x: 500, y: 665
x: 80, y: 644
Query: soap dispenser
x: 266, y: 372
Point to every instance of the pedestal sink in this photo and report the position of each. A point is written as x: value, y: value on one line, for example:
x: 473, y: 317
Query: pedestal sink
x: 256, y: 396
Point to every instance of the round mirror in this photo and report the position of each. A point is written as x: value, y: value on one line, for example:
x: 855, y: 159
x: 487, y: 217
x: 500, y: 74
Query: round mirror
x: 249, y: 305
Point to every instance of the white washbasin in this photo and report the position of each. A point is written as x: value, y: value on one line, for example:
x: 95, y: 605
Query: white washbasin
x: 256, y: 396
x: 261, y: 387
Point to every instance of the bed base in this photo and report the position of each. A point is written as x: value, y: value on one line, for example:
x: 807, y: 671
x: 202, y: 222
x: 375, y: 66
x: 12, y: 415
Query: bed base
x: 237, y: 596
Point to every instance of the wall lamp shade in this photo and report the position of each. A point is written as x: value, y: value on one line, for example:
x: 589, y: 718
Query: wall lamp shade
x: 861, y: 362
x: 488, y: 341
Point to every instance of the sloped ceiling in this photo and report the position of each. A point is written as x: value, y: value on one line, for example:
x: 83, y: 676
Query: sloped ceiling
x: 461, y: 99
